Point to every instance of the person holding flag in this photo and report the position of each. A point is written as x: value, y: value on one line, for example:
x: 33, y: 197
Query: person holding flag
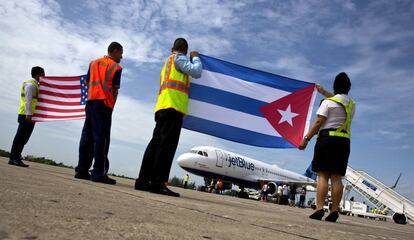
x: 103, y: 78
x: 171, y: 107
x: 28, y: 100
x: 332, y: 148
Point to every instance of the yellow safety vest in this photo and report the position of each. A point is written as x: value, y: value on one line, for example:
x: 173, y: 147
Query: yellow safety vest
x: 186, y: 178
x: 347, y: 124
x: 174, y: 88
x: 22, y: 109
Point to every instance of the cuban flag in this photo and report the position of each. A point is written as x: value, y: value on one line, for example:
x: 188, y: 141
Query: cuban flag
x: 249, y: 106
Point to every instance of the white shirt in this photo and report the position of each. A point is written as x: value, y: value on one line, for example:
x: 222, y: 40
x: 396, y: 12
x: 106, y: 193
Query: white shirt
x: 285, y: 190
x: 29, y: 90
x: 334, y: 112
x: 279, y: 189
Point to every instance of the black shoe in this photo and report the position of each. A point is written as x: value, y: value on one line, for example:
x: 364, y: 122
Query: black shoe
x: 332, y: 217
x: 104, y: 179
x: 142, y: 185
x: 19, y: 163
x: 83, y: 175
x: 163, y: 190
x: 318, y: 215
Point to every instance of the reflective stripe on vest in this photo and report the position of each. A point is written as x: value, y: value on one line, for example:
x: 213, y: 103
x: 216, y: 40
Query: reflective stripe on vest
x: 174, y: 88
x: 347, y: 124
x: 102, y: 72
x: 22, y: 109
x: 176, y: 85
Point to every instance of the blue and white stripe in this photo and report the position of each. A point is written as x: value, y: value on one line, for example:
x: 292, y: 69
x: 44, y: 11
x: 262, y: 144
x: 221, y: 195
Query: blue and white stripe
x: 225, y: 102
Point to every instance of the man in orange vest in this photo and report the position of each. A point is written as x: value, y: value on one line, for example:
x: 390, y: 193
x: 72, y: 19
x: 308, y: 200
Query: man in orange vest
x: 171, y: 107
x: 104, y: 78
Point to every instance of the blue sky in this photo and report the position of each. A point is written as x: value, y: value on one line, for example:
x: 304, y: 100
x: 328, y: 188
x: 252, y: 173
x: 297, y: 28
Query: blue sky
x: 308, y: 40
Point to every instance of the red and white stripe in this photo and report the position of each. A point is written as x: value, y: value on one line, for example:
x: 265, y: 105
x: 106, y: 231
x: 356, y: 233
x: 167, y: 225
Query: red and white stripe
x: 59, y: 99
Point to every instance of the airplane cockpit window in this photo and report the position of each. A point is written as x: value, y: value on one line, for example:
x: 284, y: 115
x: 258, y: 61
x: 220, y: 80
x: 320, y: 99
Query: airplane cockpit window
x: 201, y: 153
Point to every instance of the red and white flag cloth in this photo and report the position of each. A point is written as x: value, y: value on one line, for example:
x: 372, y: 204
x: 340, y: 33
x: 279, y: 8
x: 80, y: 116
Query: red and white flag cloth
x: 290, y: 115
x: 61, y: 98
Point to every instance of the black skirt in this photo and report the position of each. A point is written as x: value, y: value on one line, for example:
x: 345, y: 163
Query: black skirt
x: 331, y: 154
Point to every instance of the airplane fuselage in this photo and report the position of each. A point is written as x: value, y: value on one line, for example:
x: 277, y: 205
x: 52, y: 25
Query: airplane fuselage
x: 215, y: 163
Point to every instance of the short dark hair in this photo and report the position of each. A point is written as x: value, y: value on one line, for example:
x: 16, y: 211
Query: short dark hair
x: 114, y: 46
x: 37, y: 71
x: 181, y: 45
x: 342, y: 84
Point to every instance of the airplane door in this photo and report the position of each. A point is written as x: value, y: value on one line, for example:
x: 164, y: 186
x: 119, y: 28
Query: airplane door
x: 220, y: 158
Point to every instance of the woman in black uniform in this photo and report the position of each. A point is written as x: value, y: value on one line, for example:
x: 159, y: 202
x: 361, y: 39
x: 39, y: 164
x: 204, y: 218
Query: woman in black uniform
x: 332, y: 148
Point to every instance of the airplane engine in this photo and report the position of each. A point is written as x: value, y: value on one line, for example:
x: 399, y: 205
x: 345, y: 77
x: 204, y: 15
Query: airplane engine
x: 272, y: 188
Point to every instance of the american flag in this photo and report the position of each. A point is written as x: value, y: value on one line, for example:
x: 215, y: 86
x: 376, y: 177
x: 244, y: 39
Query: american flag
x: 61, y: 98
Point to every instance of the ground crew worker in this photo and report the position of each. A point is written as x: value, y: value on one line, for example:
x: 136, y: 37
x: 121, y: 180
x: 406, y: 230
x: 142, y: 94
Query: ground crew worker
x: 332, y: 148
x: 302, y: 197
x: 169, y: 112
x: 292, y: 196
x: 279, y: 194
x: 185, y: 180
x: 104, y: 78
x: 265, y: 191
x: 211, y: 186
x: 29, y: 93
x: 285, y: 196
x: 219, y: 186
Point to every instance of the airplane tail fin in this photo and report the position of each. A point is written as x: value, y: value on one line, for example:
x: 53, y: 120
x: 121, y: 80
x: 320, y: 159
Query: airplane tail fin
x: 396, y: 182
x: 309, y: 173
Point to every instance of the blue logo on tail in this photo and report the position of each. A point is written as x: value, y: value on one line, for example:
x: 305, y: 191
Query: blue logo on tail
x: 309, y: 173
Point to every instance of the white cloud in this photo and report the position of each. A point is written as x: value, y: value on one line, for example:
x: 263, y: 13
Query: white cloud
x: 35, y: 33
x: 392, y: 135
x: 132, y: 120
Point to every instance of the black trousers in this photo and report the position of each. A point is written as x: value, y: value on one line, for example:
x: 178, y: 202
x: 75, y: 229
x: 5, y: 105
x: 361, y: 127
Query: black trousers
x: 159, y: 155
x: 95, y: 139
x: 24, y: 131
x: 302, y: 201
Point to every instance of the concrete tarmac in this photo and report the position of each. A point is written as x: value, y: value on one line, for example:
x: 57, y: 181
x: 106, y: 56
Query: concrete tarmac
x: 46, y: 202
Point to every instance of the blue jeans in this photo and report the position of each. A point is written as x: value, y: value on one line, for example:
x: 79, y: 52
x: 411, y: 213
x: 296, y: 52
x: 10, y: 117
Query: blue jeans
x: 95, y: 139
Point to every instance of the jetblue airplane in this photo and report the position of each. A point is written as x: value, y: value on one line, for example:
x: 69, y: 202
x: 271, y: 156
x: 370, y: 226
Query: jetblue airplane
x: 211, y: 162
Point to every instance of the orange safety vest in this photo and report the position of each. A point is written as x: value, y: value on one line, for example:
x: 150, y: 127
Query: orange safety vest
x: 102, y: 71
x: 219, y: 184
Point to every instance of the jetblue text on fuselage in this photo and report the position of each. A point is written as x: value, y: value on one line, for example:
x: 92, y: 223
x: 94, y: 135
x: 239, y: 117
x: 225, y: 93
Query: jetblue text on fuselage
x: 239, y: 162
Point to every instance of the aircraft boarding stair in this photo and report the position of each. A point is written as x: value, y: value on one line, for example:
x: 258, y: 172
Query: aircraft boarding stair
x: 381, y: 196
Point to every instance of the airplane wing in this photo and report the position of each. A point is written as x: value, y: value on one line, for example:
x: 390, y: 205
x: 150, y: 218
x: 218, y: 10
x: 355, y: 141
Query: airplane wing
x: 290, y: 182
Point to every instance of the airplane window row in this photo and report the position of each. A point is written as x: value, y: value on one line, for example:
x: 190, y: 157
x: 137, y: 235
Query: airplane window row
x: 202, y: 153
x: 274, y: 173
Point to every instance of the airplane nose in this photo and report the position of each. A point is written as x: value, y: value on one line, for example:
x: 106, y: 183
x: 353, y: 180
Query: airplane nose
x: 184, y: 159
